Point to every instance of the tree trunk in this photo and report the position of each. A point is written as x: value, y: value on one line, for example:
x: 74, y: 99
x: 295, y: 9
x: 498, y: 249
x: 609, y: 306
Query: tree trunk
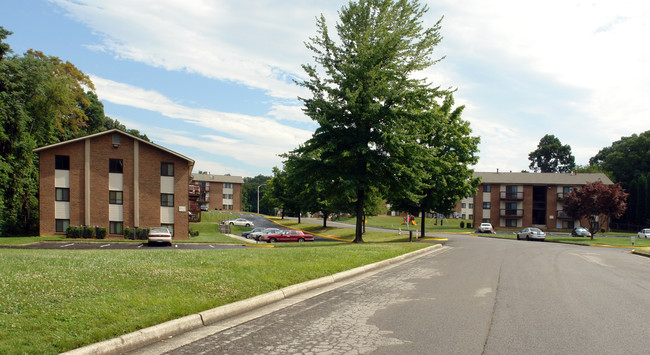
x: 324, y: 220
x: 299, y: 214
x: 422, y: 229
x: 358, y: 236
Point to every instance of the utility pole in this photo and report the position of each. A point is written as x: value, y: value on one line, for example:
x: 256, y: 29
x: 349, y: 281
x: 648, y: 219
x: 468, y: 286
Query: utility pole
x: 258, y: 198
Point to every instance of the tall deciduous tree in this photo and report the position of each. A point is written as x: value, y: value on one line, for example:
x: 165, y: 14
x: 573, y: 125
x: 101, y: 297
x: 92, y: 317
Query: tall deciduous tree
x: 551, y: 156
x: 367, y: 100
x: 627, y: 161
x: 597, y: 203
x: 450, y: 151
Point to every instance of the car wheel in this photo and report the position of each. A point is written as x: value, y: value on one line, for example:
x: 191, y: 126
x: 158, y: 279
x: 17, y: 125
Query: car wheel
x: 527, y: 237
x: 248, y: 225
x: 301, y: 240
x: 272, y: 240
x: 518, y: 237
x: 231, y: 223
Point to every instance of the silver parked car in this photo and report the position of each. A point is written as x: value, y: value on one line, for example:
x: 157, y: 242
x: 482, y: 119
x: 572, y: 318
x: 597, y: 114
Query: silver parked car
x: 531, y: 233
x: 159, y: 235
x: 580, y: 232
x: 240, y: 222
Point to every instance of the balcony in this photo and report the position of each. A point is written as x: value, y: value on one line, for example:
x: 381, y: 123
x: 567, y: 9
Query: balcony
x: 512, y: 196
x: 563, y: 215
x: 194, y: 190
x: 511, y: 213
x: 561, y: 195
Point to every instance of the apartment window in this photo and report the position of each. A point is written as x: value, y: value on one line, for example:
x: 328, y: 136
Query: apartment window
x: 462, y: 216
x: 167, y: 169
x: 115, y: 197
x: 511, y: 222
x: 486, y: 205
x: 471, y: 205
x: 115, y: 166
x: 227, y: 207
x: 227, y: 196
x: 62, y: 194
x: 471, y: 216
x: 227, y: 186
x: 462, y: 205
x: 115, y: 227
x: 62, y: 162
x: 61, y: 225
x: 167, y: 200
x: 485, y: 220
x: 487, y: 188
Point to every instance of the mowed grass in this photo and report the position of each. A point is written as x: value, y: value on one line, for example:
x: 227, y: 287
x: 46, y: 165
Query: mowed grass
x: 344, y: 234
x: 395, y: 222
x: 58, y: 300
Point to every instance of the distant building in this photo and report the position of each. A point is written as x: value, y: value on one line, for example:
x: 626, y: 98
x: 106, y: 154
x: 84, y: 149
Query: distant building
x: 518, y: 200
x: 219, y: 192
x: 115, y: 180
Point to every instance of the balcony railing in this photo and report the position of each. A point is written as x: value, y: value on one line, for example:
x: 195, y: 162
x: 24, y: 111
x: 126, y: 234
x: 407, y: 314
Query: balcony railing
x: 508, y: 195
x: 561, y: 195
x: 562, y: 214
x: 511, y: 212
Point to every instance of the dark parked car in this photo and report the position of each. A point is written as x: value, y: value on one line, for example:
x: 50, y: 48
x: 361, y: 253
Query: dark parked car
x: 580, y: 232
x: 531, y: 233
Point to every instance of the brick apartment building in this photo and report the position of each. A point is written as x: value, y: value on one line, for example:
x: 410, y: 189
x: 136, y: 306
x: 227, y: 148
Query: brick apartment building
x: 519, y: 200
x: 115, y: 180
x: 219, y: 192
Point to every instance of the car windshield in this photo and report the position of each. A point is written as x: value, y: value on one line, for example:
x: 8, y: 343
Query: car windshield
x: 536, y: 230
x: 159, y: 230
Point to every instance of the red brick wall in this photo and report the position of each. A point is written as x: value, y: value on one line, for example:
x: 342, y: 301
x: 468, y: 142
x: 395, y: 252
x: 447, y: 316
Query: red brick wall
x: 495, y: 205
x: 46, y: 186
x: 101, y: 150
x: 236, y: 197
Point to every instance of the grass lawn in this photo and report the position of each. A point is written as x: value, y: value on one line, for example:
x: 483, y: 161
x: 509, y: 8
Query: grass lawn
x: 450, y: 225
x: 58, y: 300
x: 343, y: 234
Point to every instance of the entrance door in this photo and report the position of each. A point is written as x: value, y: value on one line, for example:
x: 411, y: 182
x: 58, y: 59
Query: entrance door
x: 539, y: 205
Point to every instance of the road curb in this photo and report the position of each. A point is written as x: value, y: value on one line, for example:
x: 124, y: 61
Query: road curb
x: 146, y: 336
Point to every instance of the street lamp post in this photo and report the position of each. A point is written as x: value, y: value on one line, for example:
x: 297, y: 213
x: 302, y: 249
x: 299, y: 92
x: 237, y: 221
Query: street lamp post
x: 258, y: 198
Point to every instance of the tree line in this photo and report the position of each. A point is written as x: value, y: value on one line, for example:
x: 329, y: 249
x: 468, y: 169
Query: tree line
x: 43, y: 100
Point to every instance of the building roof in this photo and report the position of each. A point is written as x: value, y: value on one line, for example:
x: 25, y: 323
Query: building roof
x: 542, y: 178
x: 218, y: 178
x: 114, y: 130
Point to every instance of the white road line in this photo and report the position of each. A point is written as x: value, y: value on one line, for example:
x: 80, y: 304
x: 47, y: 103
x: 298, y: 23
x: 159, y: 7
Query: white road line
x: 67, y: 245
x: 105, y: 245
x: 211, y: 246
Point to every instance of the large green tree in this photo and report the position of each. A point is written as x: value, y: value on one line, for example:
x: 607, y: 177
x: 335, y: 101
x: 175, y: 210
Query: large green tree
x: 43, y: 100
x: 628, y: 161
x: 369, y: 100
x: 551, y: 156
x: 450, y: 151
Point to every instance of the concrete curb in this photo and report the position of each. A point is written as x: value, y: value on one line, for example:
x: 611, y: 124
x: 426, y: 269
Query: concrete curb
x: 142, y: 337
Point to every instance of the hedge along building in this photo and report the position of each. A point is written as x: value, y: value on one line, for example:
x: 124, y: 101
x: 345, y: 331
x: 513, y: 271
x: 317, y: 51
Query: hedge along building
x: 114, y: 180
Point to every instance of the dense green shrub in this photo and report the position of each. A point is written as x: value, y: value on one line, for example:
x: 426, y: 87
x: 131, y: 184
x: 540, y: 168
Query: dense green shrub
x: 142, y: 233
x: 100, y: 232
x: 129, y: 234
x: 88, y: 232
x: 462, y: 224
x: 72, y: 232
x: 469, y: 225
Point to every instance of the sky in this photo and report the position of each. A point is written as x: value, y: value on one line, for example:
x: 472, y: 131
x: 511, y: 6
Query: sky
x: 214, y: 79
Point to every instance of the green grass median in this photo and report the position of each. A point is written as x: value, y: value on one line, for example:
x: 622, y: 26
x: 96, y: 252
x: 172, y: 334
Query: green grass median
x: 57, y: 300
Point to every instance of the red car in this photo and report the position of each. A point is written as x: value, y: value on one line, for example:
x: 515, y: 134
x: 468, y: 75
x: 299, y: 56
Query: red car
x: 288, y: 236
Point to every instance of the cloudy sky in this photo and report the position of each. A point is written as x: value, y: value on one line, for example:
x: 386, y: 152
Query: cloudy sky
x: 213, y: 79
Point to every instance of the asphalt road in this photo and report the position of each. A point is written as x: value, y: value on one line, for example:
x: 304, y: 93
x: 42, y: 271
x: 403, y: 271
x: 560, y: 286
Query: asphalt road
x: 473, y: 296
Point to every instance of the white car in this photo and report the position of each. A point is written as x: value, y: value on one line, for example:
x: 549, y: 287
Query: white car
x: 159, y: 235
x: 531, y: 233
x: 240, y: 222
x: 644, y: 233
x: 485, y: 228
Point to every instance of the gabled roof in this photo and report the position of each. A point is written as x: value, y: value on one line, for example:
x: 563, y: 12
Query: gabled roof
x: 542, y: 178
x: 218, y: 178
x: 114, y: 130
